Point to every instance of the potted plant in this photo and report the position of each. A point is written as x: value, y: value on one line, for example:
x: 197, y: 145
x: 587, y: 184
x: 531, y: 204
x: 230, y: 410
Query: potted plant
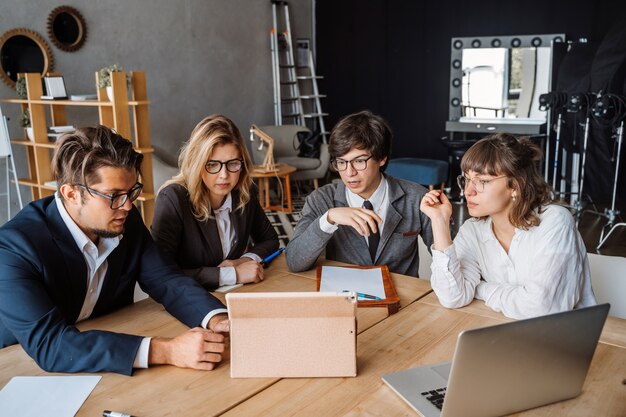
x: 104, y: 78
x: 20, y: 88
x: 24, y: 121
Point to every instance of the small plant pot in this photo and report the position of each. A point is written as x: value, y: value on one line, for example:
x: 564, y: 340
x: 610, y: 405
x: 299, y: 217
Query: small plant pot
x: 110, y: 93
x: 30, y: 134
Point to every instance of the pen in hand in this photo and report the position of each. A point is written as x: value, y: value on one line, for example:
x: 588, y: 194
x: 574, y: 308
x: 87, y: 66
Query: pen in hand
x: 265, y: 262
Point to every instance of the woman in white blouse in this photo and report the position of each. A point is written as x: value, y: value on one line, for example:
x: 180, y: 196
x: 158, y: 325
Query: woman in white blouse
x: 519, y: 253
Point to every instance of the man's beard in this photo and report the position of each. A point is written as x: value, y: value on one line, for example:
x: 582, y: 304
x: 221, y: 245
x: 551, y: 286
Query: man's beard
x: 106, y: 233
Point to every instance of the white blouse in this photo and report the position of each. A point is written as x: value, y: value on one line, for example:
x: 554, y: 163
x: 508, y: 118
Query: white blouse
x: 545, y: 271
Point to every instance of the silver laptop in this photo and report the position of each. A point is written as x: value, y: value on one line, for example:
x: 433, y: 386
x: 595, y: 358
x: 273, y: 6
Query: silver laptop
x: 507, y: 368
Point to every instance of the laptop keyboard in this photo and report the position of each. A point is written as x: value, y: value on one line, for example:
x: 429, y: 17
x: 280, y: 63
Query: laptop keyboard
x: 435, y: 396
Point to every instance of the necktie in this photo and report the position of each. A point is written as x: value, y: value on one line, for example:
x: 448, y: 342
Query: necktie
x: 374, y: 237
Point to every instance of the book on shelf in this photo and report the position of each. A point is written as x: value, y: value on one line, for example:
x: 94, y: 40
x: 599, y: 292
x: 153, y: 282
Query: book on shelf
x: 62, y: 129
x: 55, y: 88
x: 83, y: 97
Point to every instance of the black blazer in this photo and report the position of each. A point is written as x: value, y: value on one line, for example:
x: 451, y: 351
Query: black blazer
x: 43, y: 283
x: 195, y: 246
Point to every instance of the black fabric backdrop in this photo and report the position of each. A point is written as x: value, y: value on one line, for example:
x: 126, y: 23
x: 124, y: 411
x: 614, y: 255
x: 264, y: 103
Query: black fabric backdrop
x: 393, y: 57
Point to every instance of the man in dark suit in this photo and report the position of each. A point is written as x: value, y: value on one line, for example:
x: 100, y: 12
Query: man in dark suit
x: 78, y: 254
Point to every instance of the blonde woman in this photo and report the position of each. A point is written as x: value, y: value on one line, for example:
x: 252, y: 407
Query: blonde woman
x: 520, y: 253
x: 206, y: 217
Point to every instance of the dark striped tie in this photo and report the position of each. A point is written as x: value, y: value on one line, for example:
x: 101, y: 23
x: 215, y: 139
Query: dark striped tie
x: 374, y: 237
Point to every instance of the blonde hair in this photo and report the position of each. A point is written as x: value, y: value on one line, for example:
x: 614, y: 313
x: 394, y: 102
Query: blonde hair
x: 212, y: 131
x: 518, y: 159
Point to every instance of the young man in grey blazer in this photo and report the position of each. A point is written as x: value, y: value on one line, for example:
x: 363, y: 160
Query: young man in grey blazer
x: 369, y: 218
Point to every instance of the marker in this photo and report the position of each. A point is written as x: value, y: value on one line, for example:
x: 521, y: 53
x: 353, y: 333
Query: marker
x: 267, y: 260
x: 362, y: 295
x: 109, y: 413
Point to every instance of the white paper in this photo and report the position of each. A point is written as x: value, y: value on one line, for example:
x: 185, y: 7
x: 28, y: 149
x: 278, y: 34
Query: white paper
x: 36, y: 396
x: 365, y: 281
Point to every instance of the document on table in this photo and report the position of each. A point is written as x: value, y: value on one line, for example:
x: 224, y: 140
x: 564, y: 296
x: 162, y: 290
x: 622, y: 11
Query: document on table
x: 366, y: 281
x: 36, y: 396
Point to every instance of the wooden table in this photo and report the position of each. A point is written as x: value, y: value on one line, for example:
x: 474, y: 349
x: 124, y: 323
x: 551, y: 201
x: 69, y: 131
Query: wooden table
x: 167, y: 390
x: 282, y: 174
x: 423, y: 333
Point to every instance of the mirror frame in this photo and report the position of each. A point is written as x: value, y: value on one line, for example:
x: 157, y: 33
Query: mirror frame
x: 48, y: 60
x: 457, y: 45
x: 82, y: 28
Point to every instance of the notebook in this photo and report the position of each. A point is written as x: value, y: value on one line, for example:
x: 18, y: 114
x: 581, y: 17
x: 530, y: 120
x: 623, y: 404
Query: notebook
x: 507, y: 368
x: 292, y: 334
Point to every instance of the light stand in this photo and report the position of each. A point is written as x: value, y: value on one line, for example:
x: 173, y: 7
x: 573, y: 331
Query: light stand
x: 577, y: 103
x: 550, y: 103
x: 608, y: 110
x: 612, y: 214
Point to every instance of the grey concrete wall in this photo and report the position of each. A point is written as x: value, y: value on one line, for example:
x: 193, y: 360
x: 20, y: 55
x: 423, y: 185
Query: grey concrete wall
x: 200, y: 57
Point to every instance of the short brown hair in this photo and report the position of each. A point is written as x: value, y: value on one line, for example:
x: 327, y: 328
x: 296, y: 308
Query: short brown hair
x: 362, y: 130
x: 80, y: 154
x: 518, y: 159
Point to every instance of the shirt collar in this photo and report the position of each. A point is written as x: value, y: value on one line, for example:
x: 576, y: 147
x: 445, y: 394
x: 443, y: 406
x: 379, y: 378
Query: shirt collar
x: 227, y: 206
x: 79, y: 236
x: 377, y: 198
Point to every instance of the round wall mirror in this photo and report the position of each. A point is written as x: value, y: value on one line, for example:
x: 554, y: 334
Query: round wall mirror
x: 67, y: 28
x: 23, y: 50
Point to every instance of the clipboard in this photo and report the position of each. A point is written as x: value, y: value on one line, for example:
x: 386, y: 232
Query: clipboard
x: 391, y: 300
x: 292, y: 334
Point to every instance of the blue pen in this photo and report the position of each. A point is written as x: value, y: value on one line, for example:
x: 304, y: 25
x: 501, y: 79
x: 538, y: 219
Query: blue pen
x: 267, y: 260
x: 367, y: 296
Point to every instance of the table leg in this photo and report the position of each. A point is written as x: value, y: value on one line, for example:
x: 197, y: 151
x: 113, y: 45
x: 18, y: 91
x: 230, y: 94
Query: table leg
x: 266, y: 188
x: 288, y: 193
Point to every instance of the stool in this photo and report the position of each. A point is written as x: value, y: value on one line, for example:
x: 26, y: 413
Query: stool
x: 428, y: 172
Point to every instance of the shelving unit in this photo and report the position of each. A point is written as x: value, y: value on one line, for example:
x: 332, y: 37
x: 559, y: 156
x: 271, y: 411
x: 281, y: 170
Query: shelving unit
x: 115, y: 113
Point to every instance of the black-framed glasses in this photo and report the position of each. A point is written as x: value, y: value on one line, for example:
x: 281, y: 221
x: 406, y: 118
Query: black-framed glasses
x: 118, y: 200
x: 233, y: 165
x: 358, y: 164
x: 478, y: 183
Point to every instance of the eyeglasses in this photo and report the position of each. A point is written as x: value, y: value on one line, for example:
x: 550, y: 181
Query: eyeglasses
x: 234, y: 165
x: 359, y: 163
x: 118, y: 200
x: 479, y: 184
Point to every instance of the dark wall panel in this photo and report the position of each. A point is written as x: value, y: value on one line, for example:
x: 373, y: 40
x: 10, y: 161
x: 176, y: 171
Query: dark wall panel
x: 393, y: 57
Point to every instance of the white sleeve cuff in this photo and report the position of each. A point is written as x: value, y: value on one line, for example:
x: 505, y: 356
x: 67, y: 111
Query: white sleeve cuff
x: 228, y: 276
x: 252, y: 256
x: 141, y: 360
x: 205, y: 321
x: 441, y: 259
x: 326, y: 226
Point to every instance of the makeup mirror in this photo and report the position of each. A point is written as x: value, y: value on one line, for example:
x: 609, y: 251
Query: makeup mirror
x: 495, y: 82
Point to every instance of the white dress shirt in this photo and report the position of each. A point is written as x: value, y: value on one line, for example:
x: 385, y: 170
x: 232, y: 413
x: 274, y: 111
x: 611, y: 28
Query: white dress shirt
x: 545, y: 271
x: 228, y: 274
x: 379, y: 200
x: 96, y: 260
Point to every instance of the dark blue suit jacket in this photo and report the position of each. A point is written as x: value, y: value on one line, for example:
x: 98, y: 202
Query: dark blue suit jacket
x: 43, y: 282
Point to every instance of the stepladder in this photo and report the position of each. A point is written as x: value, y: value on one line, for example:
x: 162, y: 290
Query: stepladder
x: 297, y: 99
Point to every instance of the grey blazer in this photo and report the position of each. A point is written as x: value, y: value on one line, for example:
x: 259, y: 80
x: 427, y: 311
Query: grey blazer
x: 397, y: 249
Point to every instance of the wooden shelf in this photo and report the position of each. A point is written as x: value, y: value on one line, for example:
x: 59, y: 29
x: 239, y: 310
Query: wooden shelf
x: 116, y: 113
x: 87, y: 103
